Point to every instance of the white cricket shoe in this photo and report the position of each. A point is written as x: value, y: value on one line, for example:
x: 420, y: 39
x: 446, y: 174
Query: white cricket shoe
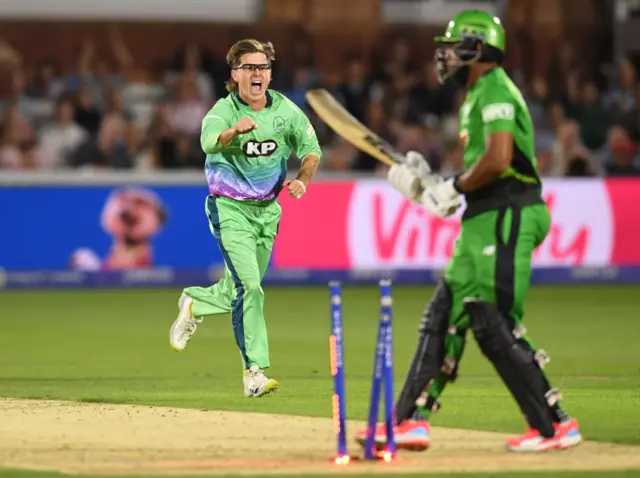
x: 256, y: 384
x: 184, y: 326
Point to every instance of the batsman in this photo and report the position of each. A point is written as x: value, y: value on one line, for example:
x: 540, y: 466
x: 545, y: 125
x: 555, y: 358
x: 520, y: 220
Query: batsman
x: 485, y: 284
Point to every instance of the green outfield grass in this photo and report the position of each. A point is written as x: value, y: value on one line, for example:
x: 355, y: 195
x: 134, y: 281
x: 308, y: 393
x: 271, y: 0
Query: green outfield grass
x: 112, y: 346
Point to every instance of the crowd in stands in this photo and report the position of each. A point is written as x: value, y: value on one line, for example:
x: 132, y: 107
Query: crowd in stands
x: 102, y: 117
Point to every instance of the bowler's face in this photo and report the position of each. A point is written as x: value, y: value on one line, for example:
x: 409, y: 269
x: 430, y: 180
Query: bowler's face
x: 253, y: 76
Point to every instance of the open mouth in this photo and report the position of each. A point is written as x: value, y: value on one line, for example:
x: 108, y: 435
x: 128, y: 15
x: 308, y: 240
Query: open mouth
x: 256, y: 86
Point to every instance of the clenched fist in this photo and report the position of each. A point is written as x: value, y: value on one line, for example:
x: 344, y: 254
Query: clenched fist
x: 295, y: 187
x: 245, y: 125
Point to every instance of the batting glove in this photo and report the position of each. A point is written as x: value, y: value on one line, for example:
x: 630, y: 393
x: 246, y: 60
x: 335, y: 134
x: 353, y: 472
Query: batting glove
x: 405, y: 180
x: 418, y: 164
x: 441, y: 199
x: 412, y: 177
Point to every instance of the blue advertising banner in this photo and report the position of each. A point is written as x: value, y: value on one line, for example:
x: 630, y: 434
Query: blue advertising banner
x: 105, y: 228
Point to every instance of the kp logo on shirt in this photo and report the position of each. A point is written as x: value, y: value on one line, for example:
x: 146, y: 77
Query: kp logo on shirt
x: 254, y: 149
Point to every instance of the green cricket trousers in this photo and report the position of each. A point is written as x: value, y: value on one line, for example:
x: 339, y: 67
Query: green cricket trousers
x: 245, y: 232
x: 491, y: 262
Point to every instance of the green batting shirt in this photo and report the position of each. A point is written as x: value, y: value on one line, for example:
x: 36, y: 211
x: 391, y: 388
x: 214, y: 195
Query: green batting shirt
x: 254, y: 165
x: 495, y: 104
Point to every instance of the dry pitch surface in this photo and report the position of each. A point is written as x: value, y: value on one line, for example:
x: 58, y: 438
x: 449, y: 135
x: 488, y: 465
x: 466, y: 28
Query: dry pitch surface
x: 94, y: 438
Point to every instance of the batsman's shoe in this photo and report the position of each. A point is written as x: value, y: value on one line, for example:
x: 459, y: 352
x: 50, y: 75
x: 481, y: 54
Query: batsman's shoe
x: 567, y: 435
x: 411, y: 435
x: 184, y: 326
x: 256, y: 384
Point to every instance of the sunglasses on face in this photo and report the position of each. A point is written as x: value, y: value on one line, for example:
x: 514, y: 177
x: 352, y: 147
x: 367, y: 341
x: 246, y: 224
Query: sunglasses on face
x: 252, y: 67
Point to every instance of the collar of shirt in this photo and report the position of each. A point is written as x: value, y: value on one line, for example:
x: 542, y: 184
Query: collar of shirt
x: 244, y: 103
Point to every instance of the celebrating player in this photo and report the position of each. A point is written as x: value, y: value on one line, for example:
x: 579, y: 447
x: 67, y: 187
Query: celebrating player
x: 488, y: 277
x: 247, y: 137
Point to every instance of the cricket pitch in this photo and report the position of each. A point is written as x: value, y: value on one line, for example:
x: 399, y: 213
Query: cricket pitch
x: 95, y: 438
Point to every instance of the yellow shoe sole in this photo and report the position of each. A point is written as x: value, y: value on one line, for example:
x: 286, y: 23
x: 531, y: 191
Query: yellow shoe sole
x: 272, y: 386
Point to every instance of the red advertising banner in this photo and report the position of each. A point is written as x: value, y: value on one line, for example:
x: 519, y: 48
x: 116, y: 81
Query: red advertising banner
x: 368, y: 225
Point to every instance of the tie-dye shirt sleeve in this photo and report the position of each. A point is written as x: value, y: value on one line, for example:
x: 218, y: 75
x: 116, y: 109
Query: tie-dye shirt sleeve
x: 303, y: 139
x: 218, y: 119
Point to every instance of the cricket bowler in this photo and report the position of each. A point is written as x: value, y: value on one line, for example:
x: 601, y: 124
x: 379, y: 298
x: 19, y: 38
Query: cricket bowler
x: 247, y: 137
x: 486, y: 282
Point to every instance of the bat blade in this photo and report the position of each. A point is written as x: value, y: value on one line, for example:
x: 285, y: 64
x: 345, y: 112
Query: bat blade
x: 348, y: 127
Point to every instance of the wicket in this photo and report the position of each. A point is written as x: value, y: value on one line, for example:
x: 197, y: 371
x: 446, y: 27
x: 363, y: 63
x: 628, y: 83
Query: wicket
x: 382, y: 373
x: 337, y: 363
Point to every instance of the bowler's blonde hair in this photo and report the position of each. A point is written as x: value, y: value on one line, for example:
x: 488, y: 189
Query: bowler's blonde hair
x: 241, y: 48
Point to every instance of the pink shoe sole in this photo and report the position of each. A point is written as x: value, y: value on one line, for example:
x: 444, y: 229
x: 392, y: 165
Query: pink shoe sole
x: 537, y: 445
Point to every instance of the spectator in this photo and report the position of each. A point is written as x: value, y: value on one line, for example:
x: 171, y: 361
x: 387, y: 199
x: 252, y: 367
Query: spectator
x: 302, y: 58
x: 397, y: 101
x: 193, y: 61
x: 34, y: 110
x: 94, y: 75
x: 630, y: 120
x: 621, y: 98
x: 30, y: 155
x: 115, y: 106
x: 356, y: 89
x: 621, y: 154
x: 397, y: 63
x: 162, y: 137
x: 428, y: 96
x: 87, y: 115
x: 416, y: 137
x: 18, y: 128
x: 563, y: 64
x: 557, y: 116
x: 188, y: 108
x: 537, y: 103
x: 138, y: 148
x: 106, y: 150
x: 592, y: 117
x: 341, y: 155
x: 61, y: 138
x: 302, y: 82
x: 187, y: 153
x: 571, y: 98
x: 46, y: 85
x: 566, y: 147
x: 378, y: 124
x: 10, y: 157
x: 579, y: 164
x: 544, y: 151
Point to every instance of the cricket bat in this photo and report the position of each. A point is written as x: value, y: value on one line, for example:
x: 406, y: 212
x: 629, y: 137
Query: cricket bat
x: 345, y: 125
